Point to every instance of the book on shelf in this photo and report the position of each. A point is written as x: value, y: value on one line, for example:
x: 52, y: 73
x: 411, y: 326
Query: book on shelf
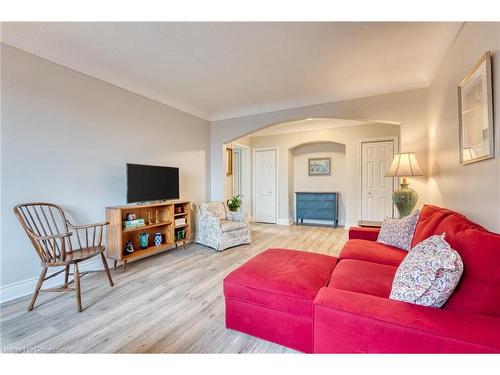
x: 180, y: 221
x: 134, y: 223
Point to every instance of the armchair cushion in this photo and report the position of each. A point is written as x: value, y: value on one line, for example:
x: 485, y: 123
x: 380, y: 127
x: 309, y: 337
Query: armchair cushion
x: 229, y: 226
x: 216, y: 209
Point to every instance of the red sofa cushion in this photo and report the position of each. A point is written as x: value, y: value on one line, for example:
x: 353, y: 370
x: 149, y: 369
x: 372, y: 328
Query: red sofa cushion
x: 430, y: 218
x: 363, y: 233
x: 372, y: 251
x: 281, y: 279
x: 479, y: 288
x: 348, y: 322
x: 363, y: 277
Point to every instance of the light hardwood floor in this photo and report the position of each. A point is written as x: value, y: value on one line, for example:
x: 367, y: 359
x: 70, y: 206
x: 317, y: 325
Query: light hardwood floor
x: 168, y: 303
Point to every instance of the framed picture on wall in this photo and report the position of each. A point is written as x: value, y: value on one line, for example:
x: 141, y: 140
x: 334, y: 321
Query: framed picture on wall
x: 229, y: 160
x: 319, y: 166
x: 475, y: 106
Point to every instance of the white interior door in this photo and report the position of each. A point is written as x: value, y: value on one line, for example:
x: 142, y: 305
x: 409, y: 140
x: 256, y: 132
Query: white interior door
x: 376, y: 189
x: 265, y: 186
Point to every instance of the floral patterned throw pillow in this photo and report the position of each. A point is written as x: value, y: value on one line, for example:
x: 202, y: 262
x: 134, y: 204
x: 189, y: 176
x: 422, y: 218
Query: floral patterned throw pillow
x: 429, y: 273
x: 399, y: 232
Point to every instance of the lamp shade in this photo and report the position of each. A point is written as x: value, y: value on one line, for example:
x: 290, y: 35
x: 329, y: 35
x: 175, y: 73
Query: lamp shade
x: 404, y: 164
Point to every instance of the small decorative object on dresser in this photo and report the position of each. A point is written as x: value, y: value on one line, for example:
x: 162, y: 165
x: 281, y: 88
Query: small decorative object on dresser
x: 319, y: 166
x: 404, y: 165
x: 475, y: 105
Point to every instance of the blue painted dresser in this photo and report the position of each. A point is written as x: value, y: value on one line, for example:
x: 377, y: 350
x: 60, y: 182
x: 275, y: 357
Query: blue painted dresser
x: 317, y: 206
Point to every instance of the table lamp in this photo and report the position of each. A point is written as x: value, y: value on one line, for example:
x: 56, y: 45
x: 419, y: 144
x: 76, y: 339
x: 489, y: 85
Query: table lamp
x: 404, y: 165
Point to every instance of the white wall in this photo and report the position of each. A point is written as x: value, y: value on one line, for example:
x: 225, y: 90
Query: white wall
x: 429, y: 127
x: 349, y: 136
x: 66, y: 138
x: 473, y: 189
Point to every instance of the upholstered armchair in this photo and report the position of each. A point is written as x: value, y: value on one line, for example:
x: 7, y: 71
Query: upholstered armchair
x: 220, y: 228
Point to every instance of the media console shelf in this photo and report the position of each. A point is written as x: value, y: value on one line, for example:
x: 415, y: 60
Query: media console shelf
x: 167, y: 212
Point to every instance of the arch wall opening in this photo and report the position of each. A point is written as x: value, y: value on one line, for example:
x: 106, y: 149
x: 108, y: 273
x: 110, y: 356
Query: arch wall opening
x: 317, y: 137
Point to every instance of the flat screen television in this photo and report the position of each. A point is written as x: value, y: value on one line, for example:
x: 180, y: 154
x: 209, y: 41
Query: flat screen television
x: 151, y: 183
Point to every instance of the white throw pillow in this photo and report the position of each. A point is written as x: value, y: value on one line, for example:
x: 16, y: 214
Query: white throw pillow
x: 429, y: 273
x: 399, y: 232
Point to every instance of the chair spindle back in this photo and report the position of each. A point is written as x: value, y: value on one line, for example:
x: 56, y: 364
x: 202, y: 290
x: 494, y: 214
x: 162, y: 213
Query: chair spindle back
x: 47, y: 228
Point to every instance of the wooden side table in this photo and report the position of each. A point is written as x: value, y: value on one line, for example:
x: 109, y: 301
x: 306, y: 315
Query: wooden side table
x: 369, y: 224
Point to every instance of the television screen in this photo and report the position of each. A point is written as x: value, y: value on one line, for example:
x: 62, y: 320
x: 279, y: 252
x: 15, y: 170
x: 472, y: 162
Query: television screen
x: 151, y: 183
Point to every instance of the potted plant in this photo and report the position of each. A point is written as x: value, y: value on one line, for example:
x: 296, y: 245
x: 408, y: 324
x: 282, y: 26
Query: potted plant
x: 234, y: 203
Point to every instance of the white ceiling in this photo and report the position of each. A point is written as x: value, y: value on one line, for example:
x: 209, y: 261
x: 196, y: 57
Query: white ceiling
x: 222, y: 70
x: 306, y: 125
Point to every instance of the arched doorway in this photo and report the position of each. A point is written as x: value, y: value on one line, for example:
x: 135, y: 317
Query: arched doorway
x: 342, y: 140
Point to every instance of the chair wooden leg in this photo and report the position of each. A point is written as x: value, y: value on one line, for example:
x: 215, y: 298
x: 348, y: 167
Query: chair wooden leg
x: 66, y: 275
x: 114, y: 265
x: 41, y: 279
x: 77, y: 287
x: 106, y: 268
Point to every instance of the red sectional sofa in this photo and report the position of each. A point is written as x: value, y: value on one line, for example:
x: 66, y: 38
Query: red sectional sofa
x: 316, y: 303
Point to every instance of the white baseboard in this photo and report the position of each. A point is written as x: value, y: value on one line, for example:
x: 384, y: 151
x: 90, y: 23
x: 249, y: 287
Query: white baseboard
x: 26, y: 287
x: 321, y: 222
x: 284, y: 222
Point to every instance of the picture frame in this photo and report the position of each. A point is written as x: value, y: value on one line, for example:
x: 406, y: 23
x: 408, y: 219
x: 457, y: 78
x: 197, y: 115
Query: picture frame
x: 475, y: 111
x: 229, y: 166
x: 319, y: 166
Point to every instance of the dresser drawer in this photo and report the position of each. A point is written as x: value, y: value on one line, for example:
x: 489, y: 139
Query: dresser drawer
x: 318, y: 214
x: 325, y: 197
x: 316, y: 204
x: 306, y: 196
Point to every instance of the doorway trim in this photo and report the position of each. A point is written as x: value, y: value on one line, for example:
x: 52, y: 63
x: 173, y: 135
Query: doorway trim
x: 249, y: 166
x: 395, y: 140
x: 277, y: 195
